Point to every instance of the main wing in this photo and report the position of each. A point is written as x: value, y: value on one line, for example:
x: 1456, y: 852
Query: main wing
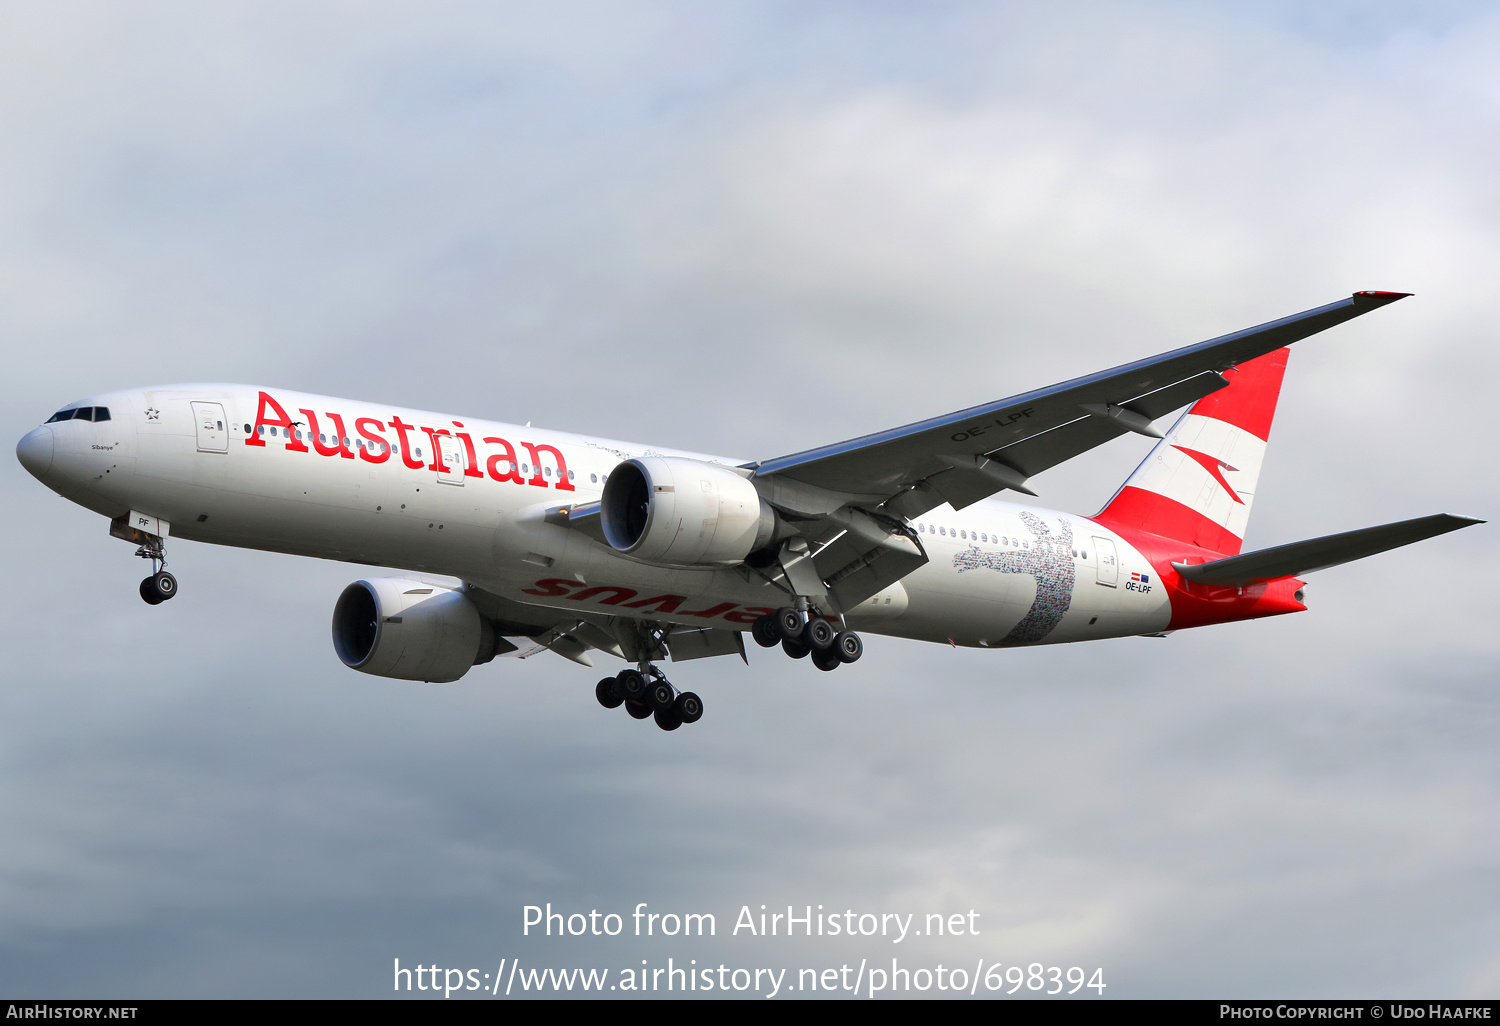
x: 962, y: 457
x: 854, y: 498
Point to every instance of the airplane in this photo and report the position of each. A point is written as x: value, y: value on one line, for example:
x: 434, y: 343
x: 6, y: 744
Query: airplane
x: 519, y: 540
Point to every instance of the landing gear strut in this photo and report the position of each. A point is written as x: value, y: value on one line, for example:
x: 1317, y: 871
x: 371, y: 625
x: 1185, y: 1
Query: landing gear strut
x: 161, y: 585
x: 647, y: 692
x: 800, y: 637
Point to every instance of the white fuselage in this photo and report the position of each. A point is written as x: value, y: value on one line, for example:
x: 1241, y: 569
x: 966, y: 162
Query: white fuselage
x: 475, y: 506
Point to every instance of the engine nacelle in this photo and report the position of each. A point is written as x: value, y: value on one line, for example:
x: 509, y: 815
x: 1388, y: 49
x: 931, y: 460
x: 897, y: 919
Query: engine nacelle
x: 410, y: 629
x: 682, y: 512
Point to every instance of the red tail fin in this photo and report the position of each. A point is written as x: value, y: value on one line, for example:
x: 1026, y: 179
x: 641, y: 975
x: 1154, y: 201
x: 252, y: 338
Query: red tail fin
x: 1198, y: 484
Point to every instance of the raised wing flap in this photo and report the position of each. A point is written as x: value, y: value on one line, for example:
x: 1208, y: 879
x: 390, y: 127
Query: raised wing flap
x: 1320, y: 553
x: 703, y: 642
x: 1078, y: 414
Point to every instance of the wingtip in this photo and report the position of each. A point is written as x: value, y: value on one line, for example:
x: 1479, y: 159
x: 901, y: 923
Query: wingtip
x: 1372, y: 298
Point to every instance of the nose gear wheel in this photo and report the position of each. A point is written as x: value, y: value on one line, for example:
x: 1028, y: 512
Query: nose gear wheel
x: 161, y: 585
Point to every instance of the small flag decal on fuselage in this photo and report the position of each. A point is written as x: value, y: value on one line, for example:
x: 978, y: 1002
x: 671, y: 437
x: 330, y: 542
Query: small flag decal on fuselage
x: 1142, y: 578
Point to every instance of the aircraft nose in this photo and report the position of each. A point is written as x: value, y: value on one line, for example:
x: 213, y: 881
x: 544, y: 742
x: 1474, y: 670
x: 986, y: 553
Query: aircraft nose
x: 35, y: 451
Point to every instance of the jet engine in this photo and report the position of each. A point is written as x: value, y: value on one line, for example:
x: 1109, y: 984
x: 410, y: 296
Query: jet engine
x: 410, y: 629
x: 683, y: 512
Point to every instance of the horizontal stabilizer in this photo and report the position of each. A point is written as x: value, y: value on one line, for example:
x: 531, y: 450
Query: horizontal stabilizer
x: 1320, y: 553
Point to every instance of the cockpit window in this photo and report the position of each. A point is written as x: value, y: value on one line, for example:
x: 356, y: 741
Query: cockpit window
x: 94, y: 413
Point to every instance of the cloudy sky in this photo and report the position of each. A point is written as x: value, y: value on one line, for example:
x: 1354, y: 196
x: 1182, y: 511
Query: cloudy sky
x: 752, y: 228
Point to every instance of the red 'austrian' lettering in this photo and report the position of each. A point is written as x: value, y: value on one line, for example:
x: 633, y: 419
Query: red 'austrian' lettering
x: 406, y: 453
x: 437, y: 449
x: 557, y: 587
x: 281, y: 420
x: 315, y: 436
x: 471, y: 468
x: 501, y: 466
x: 509, y: 456
x: 563, y: 484
x: 377, y: 451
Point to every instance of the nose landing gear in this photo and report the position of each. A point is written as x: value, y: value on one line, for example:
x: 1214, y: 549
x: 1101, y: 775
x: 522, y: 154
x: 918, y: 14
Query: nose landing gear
x: 161, y: 585
x: 647, y: 692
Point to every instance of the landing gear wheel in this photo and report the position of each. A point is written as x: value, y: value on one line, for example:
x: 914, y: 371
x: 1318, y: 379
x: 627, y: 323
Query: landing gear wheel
x: 637, y: 710
x: 826, y: 659
x: 688, y: 707
x: 795, y: 649
x: 764, y: 632
x: 849, y: 646
x: 788, y: 623
x: 659, y: 697
x: 667, y: 719
x: 632, y: 685
x: 159, y: 587
x: 818, y: 635
x: 608, y: 692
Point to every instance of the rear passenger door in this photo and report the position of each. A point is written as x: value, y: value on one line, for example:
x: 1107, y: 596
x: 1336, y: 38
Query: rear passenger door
x: 1109, y: 564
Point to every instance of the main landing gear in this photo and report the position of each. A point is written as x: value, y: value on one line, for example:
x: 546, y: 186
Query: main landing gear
x: 161, y: 585
x: 800, y: 636
x: 647, y: 692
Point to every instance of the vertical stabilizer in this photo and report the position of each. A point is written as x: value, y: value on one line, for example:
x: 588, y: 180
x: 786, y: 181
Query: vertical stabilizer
x: 1199, y: 482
